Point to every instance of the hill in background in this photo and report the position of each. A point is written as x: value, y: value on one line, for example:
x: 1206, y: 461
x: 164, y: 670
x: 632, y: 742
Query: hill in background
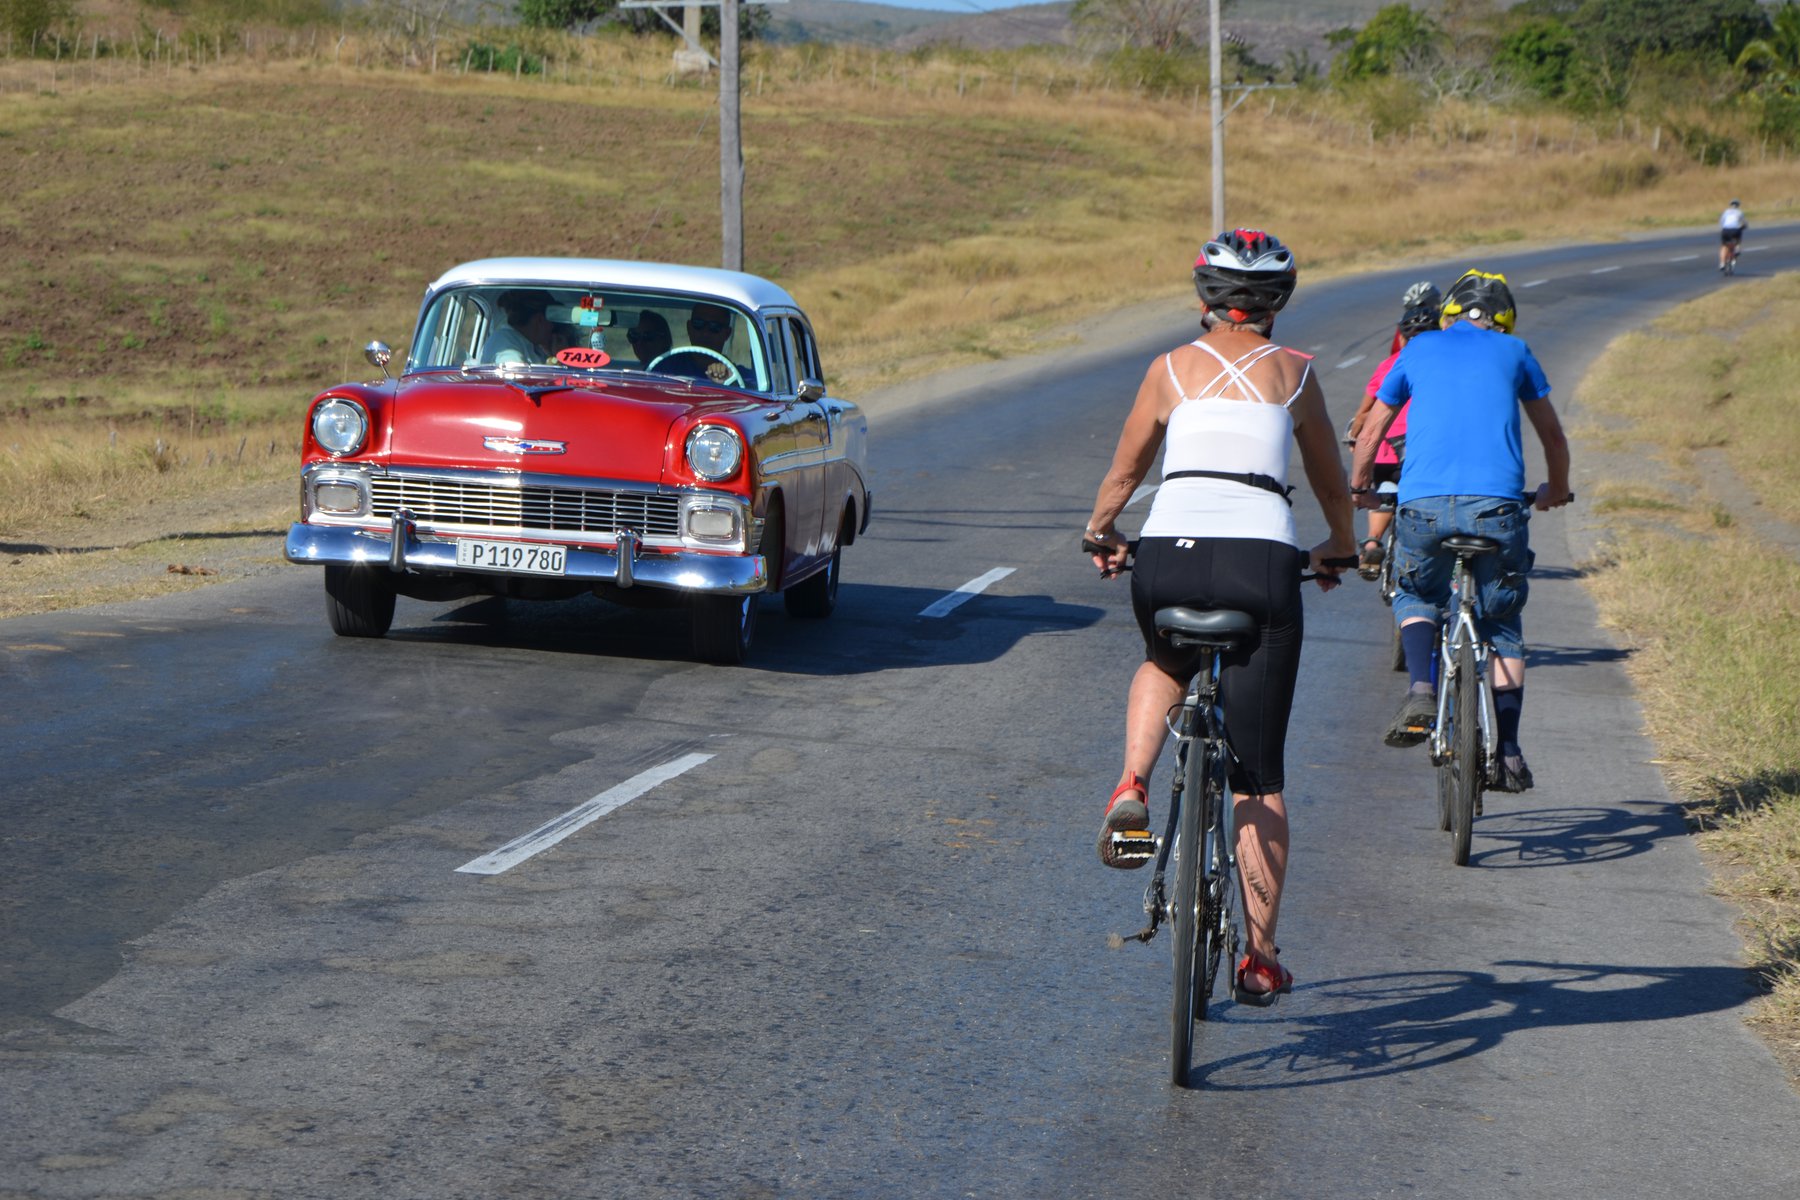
x: 1272, y: 28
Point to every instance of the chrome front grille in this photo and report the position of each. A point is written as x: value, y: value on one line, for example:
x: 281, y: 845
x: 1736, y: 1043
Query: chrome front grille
x: 482, y: 504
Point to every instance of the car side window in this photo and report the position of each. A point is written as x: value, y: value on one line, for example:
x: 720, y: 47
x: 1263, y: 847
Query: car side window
x: 781, y: 354
x: 806, y: 352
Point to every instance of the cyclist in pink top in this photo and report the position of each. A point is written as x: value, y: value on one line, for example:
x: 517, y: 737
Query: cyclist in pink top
x: 1421, y: 314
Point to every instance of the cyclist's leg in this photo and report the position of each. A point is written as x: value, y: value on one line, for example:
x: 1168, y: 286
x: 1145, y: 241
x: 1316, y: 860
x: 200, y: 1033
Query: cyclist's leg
x: 1262, y: 850
x: 1422, y: 577
x: 1257, y: 691
x: 1504, y: 585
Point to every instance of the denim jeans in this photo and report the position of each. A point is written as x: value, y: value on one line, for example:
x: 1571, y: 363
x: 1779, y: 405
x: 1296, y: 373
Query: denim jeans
x: 1422, y: 567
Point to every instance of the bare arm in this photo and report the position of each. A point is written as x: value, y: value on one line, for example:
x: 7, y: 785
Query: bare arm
x: 1368, y: 444
x: 1360, y: 416
x: 1324, y: 472
x: 1555, y: 493
x: 1139, y: 441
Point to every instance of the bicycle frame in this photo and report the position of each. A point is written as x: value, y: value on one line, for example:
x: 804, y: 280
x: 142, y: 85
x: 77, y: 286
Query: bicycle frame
x: 1459, y: 630
x: 1197, y: 721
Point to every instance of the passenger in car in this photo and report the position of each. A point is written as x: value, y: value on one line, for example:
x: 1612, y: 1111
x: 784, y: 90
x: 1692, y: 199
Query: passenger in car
x: 527, y: 335
x: 650, y: 337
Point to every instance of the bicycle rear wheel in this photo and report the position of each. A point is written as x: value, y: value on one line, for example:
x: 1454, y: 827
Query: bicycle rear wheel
x: 1190, y: 997
x: 1465, y: 754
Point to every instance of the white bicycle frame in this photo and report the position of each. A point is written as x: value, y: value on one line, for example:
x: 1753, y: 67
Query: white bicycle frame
x: 1458, y: 630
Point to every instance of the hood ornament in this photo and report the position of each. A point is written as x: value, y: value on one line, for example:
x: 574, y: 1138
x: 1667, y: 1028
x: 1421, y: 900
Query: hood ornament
x: 513, y: 445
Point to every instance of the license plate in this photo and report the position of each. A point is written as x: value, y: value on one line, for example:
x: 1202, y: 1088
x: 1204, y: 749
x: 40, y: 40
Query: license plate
x: 518, y: 558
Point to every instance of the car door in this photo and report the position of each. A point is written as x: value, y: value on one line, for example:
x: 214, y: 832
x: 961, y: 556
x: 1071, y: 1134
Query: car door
x: 806, y: 435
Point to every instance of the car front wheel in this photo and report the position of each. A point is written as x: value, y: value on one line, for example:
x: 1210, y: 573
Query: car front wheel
x: 723, y: 627
x: 816, y: 595
x: 359, y: 601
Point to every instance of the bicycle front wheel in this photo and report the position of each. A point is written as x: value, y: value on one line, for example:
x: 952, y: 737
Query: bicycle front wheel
x: 1190, y: 998
x: 1465, y: 754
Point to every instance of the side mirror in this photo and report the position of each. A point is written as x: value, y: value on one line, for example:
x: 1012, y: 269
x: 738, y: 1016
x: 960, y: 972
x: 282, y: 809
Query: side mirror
x: 379, y: 355
x: 811, y: 389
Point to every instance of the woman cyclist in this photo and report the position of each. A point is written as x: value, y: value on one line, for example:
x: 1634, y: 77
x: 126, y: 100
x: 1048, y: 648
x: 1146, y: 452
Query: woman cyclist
x: 1421, y: 314
x: 1220, y: 534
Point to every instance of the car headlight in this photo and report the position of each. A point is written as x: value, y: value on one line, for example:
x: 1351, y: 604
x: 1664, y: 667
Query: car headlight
x: 340, y: 426
x: 714, y: 452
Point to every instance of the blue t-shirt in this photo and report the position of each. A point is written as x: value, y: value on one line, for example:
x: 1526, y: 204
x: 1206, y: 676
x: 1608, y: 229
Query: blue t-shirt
x: 1462, y: 432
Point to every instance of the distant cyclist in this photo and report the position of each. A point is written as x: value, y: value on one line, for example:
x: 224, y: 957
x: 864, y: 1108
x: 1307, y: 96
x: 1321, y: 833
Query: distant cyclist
x: 1731, y: 232
x: 1465, y: 474
x: 1419, y: 316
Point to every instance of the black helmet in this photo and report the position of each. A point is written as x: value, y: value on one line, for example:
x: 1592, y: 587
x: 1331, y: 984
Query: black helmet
x: 1246, y: 274
x: 1418, y: 318
x: 1479, y: 294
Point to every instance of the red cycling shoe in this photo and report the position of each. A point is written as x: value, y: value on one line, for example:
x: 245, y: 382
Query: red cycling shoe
x: 1125, y: 811
x: 1272, y: 981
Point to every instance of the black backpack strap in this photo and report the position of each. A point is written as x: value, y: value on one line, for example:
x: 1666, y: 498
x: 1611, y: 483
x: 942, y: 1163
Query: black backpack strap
x: 1267, y: 483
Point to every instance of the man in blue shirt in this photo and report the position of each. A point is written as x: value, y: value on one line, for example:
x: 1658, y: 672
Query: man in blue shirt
x: 1464, y: 473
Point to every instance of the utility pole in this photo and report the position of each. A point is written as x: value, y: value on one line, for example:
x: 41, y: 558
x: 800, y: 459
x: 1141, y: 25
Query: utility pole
x: 731, y: 132
x: 1220, y: 112
x: 731, y: 142
x: 1216, y: 68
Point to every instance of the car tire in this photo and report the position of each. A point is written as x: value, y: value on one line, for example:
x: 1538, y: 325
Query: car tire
x: 359, y: 601
x: 816, y: 595
x: 723, y: 627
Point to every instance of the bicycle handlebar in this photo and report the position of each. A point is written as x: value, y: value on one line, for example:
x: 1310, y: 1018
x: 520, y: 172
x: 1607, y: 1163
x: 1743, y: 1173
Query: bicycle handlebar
x: 1131, y: 546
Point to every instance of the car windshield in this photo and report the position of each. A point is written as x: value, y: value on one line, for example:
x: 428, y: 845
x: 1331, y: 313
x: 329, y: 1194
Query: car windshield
x: 518, y: 326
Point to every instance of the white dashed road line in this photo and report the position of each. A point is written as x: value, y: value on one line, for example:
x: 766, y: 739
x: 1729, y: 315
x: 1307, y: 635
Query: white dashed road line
x: 1534, y: 283
x: 1602, y: 270
x: 1684, y: 258
x: 579, y: 817
x: 966, y: 592
x: 1351, y: 362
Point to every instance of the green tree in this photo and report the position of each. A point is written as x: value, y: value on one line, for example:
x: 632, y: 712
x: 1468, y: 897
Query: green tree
x: 563, y: 14
x: 1397, y: 39
x: 1774, y: 59
x: 1541, y: 53
x: 34, y: 22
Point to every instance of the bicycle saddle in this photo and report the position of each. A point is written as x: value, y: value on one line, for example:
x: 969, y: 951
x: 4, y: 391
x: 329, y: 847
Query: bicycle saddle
x: 1205, y: 626
x: 1463, y: 543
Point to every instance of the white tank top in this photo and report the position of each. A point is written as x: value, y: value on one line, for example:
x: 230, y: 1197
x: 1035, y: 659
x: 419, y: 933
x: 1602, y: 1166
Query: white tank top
x: 1212, y: 432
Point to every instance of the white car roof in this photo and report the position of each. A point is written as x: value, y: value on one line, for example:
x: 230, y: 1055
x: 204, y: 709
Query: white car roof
x: 750, y: 291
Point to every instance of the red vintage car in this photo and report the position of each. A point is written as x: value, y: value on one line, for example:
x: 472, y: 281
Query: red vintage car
x: 641, y: 431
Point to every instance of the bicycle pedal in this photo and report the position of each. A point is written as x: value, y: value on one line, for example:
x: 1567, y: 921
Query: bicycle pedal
x: 1133, y: 845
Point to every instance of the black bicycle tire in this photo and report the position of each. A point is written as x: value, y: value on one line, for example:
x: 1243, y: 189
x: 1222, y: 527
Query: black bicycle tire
x: 1185, y: 902
x: 1215, y: 885
x: 1465, y: 754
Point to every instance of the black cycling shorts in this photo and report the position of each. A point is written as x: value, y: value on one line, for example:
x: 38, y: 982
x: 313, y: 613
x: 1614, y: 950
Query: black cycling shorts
x: 1254, y: 576
x: 1730, y: 237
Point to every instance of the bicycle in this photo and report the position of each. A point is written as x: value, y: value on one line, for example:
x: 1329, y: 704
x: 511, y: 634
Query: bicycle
x: 1202, y: 907
x: 1729, y: 266
x: 1464, y: 744
x: 1385, y: 581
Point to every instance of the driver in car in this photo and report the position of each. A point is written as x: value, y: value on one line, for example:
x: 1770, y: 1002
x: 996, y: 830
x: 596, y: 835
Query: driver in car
x: 708, y: 328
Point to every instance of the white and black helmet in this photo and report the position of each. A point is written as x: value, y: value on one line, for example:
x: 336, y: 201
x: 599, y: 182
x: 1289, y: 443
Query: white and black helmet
x: 1245, y: 274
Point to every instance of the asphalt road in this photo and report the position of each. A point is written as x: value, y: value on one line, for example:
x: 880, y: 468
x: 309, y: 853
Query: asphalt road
x: 837, y: 929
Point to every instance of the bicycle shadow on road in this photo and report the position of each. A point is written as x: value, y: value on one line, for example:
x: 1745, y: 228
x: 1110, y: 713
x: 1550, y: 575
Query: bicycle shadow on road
x: 1539, y: 656
x: 1365, y: 1027
x: 1571, y: 836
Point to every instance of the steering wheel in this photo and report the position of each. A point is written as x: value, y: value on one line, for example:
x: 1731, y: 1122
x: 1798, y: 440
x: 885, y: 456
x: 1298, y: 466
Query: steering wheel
x: 735, y: 379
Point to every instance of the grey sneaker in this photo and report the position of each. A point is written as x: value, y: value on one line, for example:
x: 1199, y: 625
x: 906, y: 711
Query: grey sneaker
x: 1514, y: 775
x: 1414, y: 722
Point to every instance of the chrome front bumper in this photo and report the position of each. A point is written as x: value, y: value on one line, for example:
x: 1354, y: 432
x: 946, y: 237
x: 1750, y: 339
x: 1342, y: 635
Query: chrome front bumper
x: 684, y: 571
